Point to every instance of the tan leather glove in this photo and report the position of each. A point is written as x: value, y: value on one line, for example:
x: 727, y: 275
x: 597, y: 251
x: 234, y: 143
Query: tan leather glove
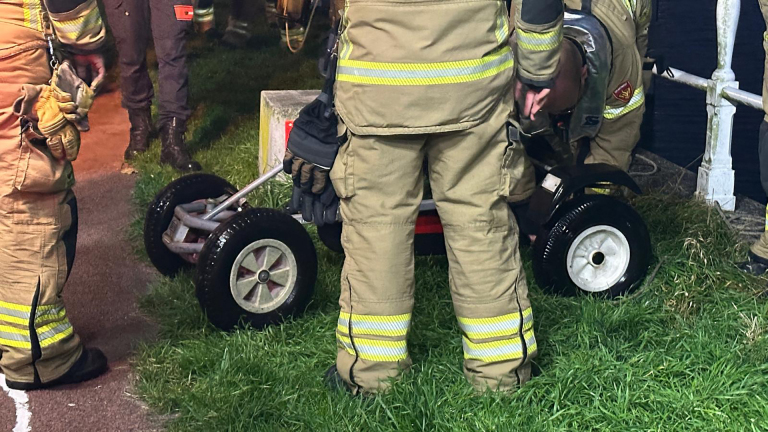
x: 62, y: 137
x: 74, y: 97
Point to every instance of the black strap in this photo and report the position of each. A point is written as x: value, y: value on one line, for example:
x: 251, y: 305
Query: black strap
x: 586, y: 6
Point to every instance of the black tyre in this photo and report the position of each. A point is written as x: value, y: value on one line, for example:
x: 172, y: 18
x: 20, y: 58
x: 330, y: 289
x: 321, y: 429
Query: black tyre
x: 183, y: 190
x: 259, y: 267
x: 596, y: 245
x: 330, y: 235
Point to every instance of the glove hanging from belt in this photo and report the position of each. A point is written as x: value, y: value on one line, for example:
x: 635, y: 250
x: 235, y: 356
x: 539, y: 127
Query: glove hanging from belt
x: 312, y: 148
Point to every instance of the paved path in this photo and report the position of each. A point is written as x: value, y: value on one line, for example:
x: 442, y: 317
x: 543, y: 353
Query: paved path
x: 100, y: 296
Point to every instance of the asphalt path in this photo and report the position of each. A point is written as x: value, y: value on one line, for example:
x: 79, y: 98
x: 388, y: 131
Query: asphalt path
x: 100, y: 295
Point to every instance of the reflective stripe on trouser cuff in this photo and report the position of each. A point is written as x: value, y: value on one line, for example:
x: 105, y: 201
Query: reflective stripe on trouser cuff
x: 505, y: 325
x: 14, y: 313
x: 766, y: 218
x: 637, y: 99
x: 376, y: 73
x: 53, y: 331
x: 372, y: 349
x: 14, y: 337
x: 375, y: 325
x: 501, y: 350
x: 533, y: 41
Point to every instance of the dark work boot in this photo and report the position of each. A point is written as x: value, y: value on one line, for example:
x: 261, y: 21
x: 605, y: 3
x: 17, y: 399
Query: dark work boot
x: 755, y: 265
x: 92, y: 363
x: 141, y: 129
x: 174, y: 151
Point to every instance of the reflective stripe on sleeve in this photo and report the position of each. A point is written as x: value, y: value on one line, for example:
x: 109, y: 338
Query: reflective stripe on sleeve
x: 505, y: 325
x: 86, y: 24
x: 375, y: 325
x: 372, y: 349
x: 631, y: 5
x: 378, y: 73
x: 502, y: 26
x: 539, y: 41
x: 637, y: 99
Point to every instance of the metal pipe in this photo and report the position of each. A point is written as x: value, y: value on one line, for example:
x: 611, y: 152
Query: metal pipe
x: 244, y: 191
x: 684, y: 78
x: 743, y: 97
x: 195, y: 222
x: 184, y: 248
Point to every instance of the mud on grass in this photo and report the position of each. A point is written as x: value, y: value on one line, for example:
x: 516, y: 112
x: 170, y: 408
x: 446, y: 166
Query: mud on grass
x: 688, y: 352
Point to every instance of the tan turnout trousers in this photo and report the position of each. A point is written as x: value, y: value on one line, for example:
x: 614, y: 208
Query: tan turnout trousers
x: 38, y: 228
x: 760, y: 247
x: 437, y: 91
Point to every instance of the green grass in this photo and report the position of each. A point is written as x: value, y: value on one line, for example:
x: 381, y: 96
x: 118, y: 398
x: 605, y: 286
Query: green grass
x: 688, y: 352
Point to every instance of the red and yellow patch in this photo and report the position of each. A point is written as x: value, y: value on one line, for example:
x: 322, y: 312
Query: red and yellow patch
x: 624, y: 92
x: 184, y: 12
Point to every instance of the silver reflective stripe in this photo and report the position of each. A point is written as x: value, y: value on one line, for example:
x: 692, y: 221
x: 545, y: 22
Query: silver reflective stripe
x: 393, y: 72
x: 14, y: 313
x: 374, y: 350
x: 493, y: 351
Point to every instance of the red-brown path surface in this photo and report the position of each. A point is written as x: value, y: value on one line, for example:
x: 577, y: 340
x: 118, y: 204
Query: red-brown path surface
x: 101, y: 293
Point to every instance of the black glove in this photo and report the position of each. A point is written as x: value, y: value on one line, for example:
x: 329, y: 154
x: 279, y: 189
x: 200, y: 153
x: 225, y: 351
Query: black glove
x: 313, y: 193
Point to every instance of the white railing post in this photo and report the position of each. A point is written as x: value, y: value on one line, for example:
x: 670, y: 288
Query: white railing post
x: 716, y: 176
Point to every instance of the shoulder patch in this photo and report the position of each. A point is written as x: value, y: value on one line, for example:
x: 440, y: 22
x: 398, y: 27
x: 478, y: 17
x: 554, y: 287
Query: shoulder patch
x: 624, y: 92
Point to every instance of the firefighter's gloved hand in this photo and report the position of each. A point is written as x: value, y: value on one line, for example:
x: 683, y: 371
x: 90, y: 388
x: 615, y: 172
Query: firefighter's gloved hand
x: 313, y: 193
x: 62, y: 138
x: 95, y: 63
x: 74, y: 97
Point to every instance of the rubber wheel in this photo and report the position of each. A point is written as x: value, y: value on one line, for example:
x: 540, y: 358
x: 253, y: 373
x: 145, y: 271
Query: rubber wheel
x: 330, y: 235
x: 597, y: 245
x: 183, y: 190
x: 259, y: 267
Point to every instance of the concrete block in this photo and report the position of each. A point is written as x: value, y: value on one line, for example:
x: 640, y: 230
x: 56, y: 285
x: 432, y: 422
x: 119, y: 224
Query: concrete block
x: 277, y: 112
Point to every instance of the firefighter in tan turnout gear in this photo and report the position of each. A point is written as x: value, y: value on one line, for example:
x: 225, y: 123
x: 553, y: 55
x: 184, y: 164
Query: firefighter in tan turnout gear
x: 438, y: 91
x: 39, y: 121
x: 595, y: 74
x: 758, y: 253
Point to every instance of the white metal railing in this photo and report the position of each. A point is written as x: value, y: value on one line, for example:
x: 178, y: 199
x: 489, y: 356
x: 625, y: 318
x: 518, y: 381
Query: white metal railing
x: 716, y: 176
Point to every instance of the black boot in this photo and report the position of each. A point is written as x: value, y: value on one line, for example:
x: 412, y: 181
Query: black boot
x: 92, y: 363
x: 755, y: 265
x: 174, y: 151
x: 141, y: 129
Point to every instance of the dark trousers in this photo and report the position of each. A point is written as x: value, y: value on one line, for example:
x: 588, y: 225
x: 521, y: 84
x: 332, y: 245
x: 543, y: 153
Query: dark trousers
x: 131, y: 21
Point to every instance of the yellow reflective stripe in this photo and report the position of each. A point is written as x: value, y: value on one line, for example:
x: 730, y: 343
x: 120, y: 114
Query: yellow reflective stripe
x: 765, y: 36
x: 637, y: 99
x: 631, y: 5
x: 78, y: 25
x: 14, y: 306
x: 502, y: 25
x: 539, y: 41
x: 379, y: 73
x: 504, y: 325
x: 374, y: 350
x: 51, y: 312
x: 14, y: 330
x: 14, y: 337
x: 57, y: 337
x: 14, y: 319
x: 488, y: 352
x: 376, y: 325
x: 766, y: 218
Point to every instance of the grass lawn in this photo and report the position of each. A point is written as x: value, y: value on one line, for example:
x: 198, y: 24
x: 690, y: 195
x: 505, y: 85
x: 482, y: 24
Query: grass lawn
x: 688, y: 352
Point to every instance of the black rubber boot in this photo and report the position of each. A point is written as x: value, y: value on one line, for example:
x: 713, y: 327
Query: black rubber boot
x: 334, y: 381
x: 174, y: 151
x: 91, y: 364
x: 755, y: 265
x: 141, y: 129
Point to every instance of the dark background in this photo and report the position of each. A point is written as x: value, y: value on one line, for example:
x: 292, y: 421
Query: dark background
x: 676, y: 118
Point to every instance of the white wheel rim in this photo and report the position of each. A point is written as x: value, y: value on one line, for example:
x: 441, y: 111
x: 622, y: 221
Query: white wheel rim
x: 263, y: 276
x: 598, y: 258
